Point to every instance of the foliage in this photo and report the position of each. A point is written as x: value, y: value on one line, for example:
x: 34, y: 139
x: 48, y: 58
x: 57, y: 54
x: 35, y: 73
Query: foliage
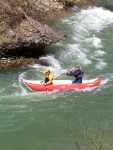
x: 19, y: 3
x: 89, y: 138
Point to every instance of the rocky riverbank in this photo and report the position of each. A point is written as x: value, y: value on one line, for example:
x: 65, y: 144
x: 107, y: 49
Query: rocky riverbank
x: 23, y: 31
x: 15, y: 62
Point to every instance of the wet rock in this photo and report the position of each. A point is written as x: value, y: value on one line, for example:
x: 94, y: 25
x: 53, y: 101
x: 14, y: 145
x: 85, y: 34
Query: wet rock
x: 108, y: 6
x: 17, y: 31
x: 16, y: 62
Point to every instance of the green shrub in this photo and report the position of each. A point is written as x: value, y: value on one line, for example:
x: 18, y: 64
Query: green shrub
x: 89, y: 138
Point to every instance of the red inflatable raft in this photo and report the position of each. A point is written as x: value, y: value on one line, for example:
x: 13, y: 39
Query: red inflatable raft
x: 37, y: 85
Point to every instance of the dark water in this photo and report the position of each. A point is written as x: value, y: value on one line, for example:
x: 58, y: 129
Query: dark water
x: 39, y: 121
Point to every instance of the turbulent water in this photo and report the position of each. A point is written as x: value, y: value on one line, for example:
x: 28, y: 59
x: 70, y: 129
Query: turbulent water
x: 39, y: 120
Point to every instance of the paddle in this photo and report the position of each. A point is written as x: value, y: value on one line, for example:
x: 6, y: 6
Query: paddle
x: 59, y: 76
x: 63, y: 73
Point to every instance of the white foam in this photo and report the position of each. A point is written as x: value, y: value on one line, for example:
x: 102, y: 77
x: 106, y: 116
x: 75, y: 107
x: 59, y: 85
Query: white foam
x: 84, y: 27
x: 104, y: 81
x: 52, y: 61
x: 94, y: 42
x: 74, y: 8
x: 49, y: 59
x: 94, y: 18
x: 97, y: 42
x: 22, y: 76
x: 77, y: 53
x: 101, y: 64
x: 98, y: 53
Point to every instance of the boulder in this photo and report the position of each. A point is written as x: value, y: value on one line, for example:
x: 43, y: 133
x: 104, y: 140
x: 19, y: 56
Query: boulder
x: 18, y: 29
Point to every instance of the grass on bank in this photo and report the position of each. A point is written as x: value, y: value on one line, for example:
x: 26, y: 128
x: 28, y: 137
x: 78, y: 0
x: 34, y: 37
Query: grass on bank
x: 90, y: 138
x: 19, y: 3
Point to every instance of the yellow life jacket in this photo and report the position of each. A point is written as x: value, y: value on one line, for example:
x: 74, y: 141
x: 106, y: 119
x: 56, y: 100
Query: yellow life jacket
x: 48, y: 78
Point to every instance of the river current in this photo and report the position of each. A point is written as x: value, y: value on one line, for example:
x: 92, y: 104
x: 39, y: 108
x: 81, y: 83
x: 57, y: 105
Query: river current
x: 39, y: 120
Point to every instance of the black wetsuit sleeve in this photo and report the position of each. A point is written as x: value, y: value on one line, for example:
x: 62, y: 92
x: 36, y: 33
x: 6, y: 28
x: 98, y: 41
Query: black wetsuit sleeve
x: 70, y: 73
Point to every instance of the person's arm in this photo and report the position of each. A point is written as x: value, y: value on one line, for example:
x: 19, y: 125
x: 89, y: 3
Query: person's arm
x: 43, y: 72
x: 69, y: 73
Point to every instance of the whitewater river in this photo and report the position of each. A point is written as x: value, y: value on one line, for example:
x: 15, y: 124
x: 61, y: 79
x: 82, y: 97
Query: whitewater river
x: 41, y: 121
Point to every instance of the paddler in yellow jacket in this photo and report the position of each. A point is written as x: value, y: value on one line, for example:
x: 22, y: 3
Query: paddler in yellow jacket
x: 48, y: 77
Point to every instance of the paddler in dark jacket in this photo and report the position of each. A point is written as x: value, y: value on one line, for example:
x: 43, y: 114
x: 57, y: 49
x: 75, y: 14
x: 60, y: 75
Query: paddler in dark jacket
x: 77, y: 73
x: 48, y: 77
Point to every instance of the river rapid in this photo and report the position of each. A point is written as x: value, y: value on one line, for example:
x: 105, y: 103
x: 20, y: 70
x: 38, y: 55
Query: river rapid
x: 40, y: 120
